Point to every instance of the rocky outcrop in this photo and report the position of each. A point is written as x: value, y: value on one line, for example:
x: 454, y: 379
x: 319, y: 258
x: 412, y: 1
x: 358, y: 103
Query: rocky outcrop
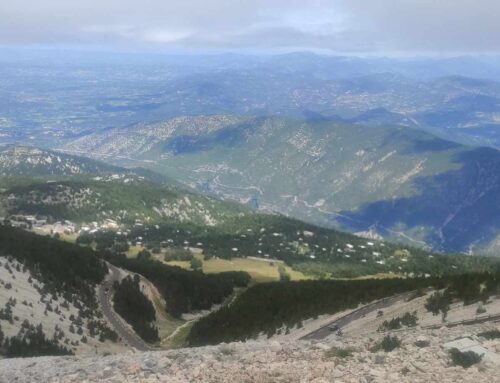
x: 422, y: 357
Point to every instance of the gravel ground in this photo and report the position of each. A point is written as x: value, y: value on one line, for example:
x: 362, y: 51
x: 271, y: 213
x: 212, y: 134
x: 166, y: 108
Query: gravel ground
x: 273, y: 361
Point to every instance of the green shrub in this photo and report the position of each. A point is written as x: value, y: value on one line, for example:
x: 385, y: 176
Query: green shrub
x: 196, y: 264
x: 491, y: 334
x: 422, y: 343
x: 284, y: 276
x: 339, y: 352
x: 178, y: 254
x: 407, y: 319
x: 480, y: 310
x: 416, y: 294
x: 464, y: 358
x: 439, y: 302
x: 388, y: 344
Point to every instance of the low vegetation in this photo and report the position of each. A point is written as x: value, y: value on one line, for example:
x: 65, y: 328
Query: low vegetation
x: 388, y: 343
x: 317, y: 252
x: 406, y: 320
x: 339, y: 352
x: 464, y: 359
x: 178, y: 254
x: 490, y: 335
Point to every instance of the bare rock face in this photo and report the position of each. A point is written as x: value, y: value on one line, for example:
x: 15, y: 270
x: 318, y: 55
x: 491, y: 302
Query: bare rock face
x: 346, y: 360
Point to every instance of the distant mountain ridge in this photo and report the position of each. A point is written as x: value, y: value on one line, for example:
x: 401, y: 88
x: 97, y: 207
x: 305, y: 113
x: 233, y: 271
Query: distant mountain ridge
x: 421, y: 92
x: 32, y: 161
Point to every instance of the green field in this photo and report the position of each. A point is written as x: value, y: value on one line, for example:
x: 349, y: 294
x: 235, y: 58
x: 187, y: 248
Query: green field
x: 260, y: 271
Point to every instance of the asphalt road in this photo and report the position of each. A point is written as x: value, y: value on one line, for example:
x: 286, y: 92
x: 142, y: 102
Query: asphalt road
x: 324, y: 331
x: 130, y: 337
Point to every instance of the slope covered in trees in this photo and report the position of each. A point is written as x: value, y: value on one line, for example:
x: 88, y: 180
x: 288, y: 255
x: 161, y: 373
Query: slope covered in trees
x: 133, y: 306
x: 273, y: 307
x: 184, y: 290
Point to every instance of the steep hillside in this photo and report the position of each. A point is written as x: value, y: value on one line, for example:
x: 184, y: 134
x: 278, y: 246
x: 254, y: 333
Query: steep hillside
x: 47, y: 299
x: 392, y: 181
x: 280, y: 308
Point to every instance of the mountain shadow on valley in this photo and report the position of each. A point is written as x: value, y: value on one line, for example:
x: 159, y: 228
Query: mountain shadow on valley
x: 457, y: 206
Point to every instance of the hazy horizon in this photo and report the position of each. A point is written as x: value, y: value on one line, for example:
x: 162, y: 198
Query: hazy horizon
x: 383, y: 28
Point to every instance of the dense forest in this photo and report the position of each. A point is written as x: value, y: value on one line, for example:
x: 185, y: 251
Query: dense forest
x: 271, y: 308
x: 133, y: 306
x: 184, y: 290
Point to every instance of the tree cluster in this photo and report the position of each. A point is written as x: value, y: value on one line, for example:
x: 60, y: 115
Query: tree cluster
x: 29, y: 342
x: 407, y: 320
x: 268, y: 307
x: 133, y: 306
x: 183, y: 290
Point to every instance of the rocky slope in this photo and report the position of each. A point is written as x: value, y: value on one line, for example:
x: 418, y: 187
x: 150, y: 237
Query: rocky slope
x: 31, y: 161
x: 55, y: 314
x: 422, y: 357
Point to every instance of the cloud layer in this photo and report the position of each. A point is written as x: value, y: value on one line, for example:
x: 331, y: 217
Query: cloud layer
x: 337, y: 25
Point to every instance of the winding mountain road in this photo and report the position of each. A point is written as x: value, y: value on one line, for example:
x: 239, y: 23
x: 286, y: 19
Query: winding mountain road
x: 343, y: 321
x: 117, y: 323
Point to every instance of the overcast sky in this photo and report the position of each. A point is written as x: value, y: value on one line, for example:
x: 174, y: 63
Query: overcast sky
x: 371, y: 26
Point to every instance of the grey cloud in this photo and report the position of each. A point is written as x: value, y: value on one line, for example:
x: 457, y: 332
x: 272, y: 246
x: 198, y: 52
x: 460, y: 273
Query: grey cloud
x: 337, y: 25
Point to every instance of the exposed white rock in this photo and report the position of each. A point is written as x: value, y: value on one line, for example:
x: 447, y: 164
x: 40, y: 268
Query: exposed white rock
x: 293, y: 361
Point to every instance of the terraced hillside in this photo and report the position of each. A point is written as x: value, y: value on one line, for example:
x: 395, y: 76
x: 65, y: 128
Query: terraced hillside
x: 390, y: 181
